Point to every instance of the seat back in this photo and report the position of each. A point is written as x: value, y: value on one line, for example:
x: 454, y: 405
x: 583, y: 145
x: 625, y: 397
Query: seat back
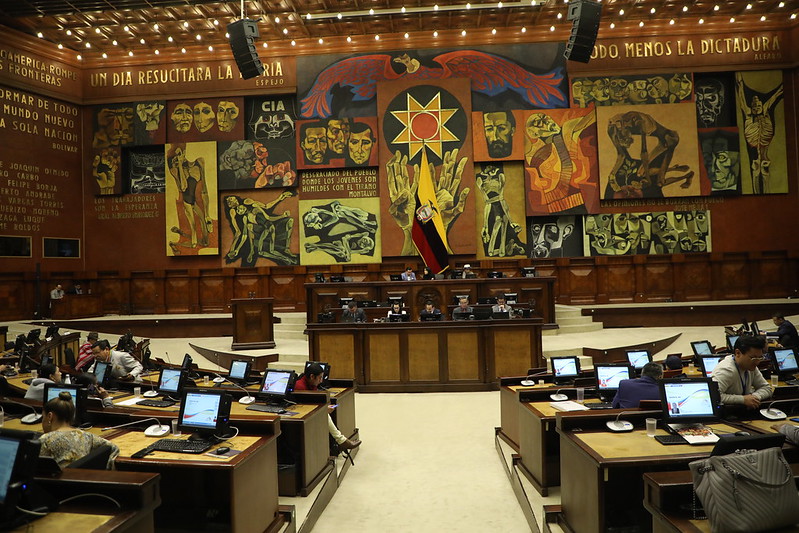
x: 97, y: 459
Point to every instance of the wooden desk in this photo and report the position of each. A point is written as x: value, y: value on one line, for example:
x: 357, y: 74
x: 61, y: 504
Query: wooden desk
x: 76, y: 306
x: 539, y: 291
x: 236, y: 493
x: 56, y: 347
x: 342, y: 395
x: 427, y: 356
x: 509, y: 390
x: 601, y: 472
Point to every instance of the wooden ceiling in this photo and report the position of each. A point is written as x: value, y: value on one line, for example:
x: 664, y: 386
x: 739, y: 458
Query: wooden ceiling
x: 118, y: 27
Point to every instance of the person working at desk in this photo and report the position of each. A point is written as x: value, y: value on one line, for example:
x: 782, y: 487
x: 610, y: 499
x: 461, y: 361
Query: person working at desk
x: 48, y: 373
x: 85, y: 356
x: 396, y: 309
x: 740, y: 381
x: 123, y: 365
x: 310, y: 381
x: 467, y: 272
x: 428, y: 274
x: 632, y: 391
x: 463, y: 311
x: 353, y: 314
x: 408, y: 275
x: 429, y: 310
x: 501, y: 306
x: 786, y: 332
x: 61, y: 441
x: 88, y: 381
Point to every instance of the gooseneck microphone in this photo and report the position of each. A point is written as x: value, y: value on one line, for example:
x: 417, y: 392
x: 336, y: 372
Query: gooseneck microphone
x: 156, y: 430
x: 244, y: 400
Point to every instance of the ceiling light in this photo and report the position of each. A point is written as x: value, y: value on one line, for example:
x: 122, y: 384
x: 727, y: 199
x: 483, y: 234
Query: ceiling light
x: 435, y: 33
x: 339, y: 16
x: 402, y: 10
x: 88, y: 45
x: 80, y: 57
x: 781, y: 5
x: 182, y: 50
x: 793, y: 16
x: 524, y: 29
x: 141, y: 40
x: 652, y: 10
x: 684, y: 9
x: 493, y: 31
x: 277, y: 20
x: 552, y: 28
x: 97, y: 30
x: 499, y: 5
x: 60, y: 46
x: 105, y: 56
x: 468, y: 5
x: 463, y: 33
x: 621, y: 12
x: 371, y: 11
x: 198, y: 37
x: 560, y: 16
x: 170, y: 39
x: 157, y: 51
x: 532, y: 2
x: 130, y: 52
x: 69, y: 32
x: 435, y: 7
x: 266, y: 44
x: 763, y: 18
x: 641, y: 24
x: 227, y: 35
x: 748, y: 6
x: 40, y: 35
x: 185, y: 24
x: 114, y: 42
x: 671, y: 22
x: 377, y: 37
x: 732, y: 19
x: 155, y: 27
x: 612, y: 25
x: 701, y: 21
x: 210, y: 48
x: 285, y: 31
x: 216, y: 22
x: 321, y: 41
x: 349, y: 38
x: 126, y: 28
x: 716, y: 7
x: 406, y: 35
x: 308, y: 16
x: 293, y: 42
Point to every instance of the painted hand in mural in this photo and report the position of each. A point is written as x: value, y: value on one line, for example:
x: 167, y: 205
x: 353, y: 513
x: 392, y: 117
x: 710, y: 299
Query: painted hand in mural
x: 402, y: 194
x: 104, y: 170
x: 450, y: 202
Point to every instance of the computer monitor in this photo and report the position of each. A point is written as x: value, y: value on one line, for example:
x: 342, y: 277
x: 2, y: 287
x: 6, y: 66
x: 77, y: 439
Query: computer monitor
x: 52, y: 331
x: 431, y: 318
x: 731, y: 340
x: 494, y: 274
x: 102, y: 371
x: 394, y: 300
x: 33, y: 336
x: 708, y: 362
x: 500, y: 315
x: 325, y: 369
x: 728, y: 444
x: 19, y: 452
x: 638, y: 358
x: 481, y: 313
x: 239, y: 370
x: 276, y: 384
x: 205, y: 413
x: 456, y: 298
x: 344, y: 301
x: 511, y: 298
x: 528, y: 272
x: 319, y: 277
x: 399, y: 317
x: 689, y: 400
x: 565, y: 368
x: 187, y: 362
x: 702, y: 348
x: 78, y: 393
x: 785, y: 361
x: 337, y: 279
x: 755, y: 328
x: 487, y: 301
x: 456, y: 274
x: 395, y: 277
x: 608, y: 376
x: 171, y: 381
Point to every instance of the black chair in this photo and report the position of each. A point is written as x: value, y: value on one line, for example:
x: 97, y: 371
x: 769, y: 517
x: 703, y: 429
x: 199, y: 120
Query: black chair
x: 97, y: 459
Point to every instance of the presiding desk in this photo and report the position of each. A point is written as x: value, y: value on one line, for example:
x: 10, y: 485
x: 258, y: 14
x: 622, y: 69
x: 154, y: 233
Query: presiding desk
x: 76, y: 306
x: 464, y: 355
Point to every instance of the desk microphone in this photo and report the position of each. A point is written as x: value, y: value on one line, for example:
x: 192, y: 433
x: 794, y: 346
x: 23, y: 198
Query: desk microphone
x: 527, y: 382
x: 156, y: 430
x: 218, y: 378
x: 152, y: 393
x: 619, y: 426
x: 33, y: 418
x: 775, y: 414
x: 244, y: 400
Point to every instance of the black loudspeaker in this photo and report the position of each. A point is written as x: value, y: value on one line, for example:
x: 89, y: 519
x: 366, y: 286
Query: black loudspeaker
x: 585, y: 16
x: 243, y: 34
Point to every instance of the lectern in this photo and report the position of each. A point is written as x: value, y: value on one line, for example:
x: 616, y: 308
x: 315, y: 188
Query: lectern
x: 253, y: 327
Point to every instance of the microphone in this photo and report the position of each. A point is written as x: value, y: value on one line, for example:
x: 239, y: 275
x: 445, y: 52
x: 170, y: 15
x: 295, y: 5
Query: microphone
x: 156, y: 430
x: 33, y: 418
x: 152, y: 393
x: 218, y: 378
x: 527, y: 382
x: 244, y: 400
x: 775, y: 414
x: 619, y: 425
x: 558, y: 397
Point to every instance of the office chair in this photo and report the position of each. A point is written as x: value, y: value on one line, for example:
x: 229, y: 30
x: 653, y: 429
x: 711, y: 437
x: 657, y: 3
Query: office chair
x: 97, y: 459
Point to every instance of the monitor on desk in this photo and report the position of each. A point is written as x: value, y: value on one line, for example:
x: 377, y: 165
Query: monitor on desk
x: 755, y: 328
x: 457, y: 274
x: 480, y: 313
x: 785, y: 361
x: 102, y: 371
x: 187, y: 362
x: 689, y: 400
x: 337, y: 279
x: 500, y: 315
x: 78, y: 393
x: 512, y: 298
x: 638, y: 358
x: 708, y: 362
x: 391, y: 300
x: 276, y: 385
x: 431, y: 318
x: 456, y: 298
x: 701, y: 348
x: 52, y: 331
x: 565, y: 369
x: 205, y: 413
x: 399, y: 317
x: 608, y: 376
x: 171, y: 381
x: 19, y: 452
x: 731, y: 340
x: 395, y: 277
x: 239, y: 371
x: 494, y: 275
x: 33, y: 336
x: 344, y: 301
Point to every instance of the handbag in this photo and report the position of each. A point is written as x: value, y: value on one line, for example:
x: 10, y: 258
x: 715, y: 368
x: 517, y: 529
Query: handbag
x: 746, y: 491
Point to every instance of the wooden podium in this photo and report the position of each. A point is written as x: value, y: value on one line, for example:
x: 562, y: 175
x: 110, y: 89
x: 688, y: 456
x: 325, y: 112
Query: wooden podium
x: 253, y: 327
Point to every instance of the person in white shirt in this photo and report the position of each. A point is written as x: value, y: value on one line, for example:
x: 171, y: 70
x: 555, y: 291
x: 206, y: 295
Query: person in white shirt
x: 57, y: 293
x: 124, y: 366
x: 408, y: 275
x: 396, y: 309
x: 501, y: 306
x: 740, y: 381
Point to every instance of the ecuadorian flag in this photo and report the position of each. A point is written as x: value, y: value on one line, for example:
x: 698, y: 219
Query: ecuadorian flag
x: 428, y: 232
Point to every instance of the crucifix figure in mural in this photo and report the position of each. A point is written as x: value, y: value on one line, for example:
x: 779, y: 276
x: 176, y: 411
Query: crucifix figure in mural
x: 758, y: 115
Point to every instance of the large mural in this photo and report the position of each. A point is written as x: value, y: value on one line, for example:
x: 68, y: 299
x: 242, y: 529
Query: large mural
x: 500, y: 210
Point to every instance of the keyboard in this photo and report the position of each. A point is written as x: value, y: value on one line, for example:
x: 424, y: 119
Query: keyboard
x: 668, y: 440
x: 792, y: 382
x: 156, y: 403
x: 266, y: 408
x: 9, y: 372
x: 180, y: 446
x: 599, y: 405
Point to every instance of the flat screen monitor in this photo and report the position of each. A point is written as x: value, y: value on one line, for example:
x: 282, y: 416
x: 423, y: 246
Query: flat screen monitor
x: 456, y: 299
x: 731, y: 340
x: 487, y: 301
x: 608, y: 375
x: 638, y: 358
x: 431, y: 318
x: 399, y: 317
x: 205, y: 412
x: 395, y: 277
x: 239, y: 370
x: 277, y: 383
x: 494, y: 275
x: 708, y: 362
x: 512, y: 298
x: 187, y: 362
x: 500, y: 315
x: 565, y: 368
x: 689, y: 400
x: 344, y: 302
x: 528, y: 272
x: 728, y: 444
x: 171, y: 381
x: 51, y: 332
x: 785, y: 361
x: 19, y: 452
x: 8, y: 456
x: 102, y: 371
x: 481, y: 313
x: 337, y: 279
x: 755, y: 329
x: 79, y: 394
x: 325, y: 369
x: 33, y: 336
x: 394, y: 300
x: 702, y: 348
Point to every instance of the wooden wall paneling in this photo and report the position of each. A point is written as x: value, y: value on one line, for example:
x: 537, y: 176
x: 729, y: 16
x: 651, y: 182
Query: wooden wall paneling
x: 383, y: 354
x: 211, y: 291
x: 114, y: 287
x: 177, y: 292
x: 245, y: 281
x: 696, y: 278
x: 770, y: 274
x: 143, y: 291
x: 283, y: 288
x: 678, y: 269
x: 339, y: 350
x: 463, y: 356
x: 583, y: 281
x: 510, y: 352
x: 734, y: 280
x: 16, y: 297
x: 423, y: 360
x: 657, y: 278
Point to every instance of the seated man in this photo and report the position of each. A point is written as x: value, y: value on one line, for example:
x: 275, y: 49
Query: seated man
x: 408, y: 275
x: 632, y: 391
x: 124, y: 366
x: 311, y: 380
x: 463, y: 311
x: 353, y: 314
x: 467, y: 272
x: 740, y: 381
x: 501, y: 306
x: 85, y: 357
x: 430, y: 310
x: 786, y: 332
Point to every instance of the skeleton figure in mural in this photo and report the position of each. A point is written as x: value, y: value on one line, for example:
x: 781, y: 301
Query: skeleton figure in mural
x: 680, y: 87
x: 227, y: 114
x: 500, y: 234
x: 646, y: 175
x: 619, y: 91
x: 709, y: 101
x: 336, y: 227
x: 265, y: 233
x: 558, y: 150
x: 547, y: 238
x: 274, y: 126
x: 190, y: 176
x: 601, y: 238
x: 343, y: 248
x: 758, y: 131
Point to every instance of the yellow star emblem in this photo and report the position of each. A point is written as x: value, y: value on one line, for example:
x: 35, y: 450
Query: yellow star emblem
x: 424, y: 125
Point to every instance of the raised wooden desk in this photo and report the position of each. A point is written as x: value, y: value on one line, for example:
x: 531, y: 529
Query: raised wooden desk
x: 76, y: 306
x: 463, y: 355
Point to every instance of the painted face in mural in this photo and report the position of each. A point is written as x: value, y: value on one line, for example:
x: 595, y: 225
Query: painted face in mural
x: 204, y: 116
x: 227, y: 113
x: 338, y: 133
x: 181, y: 118
x: 360, y: 144
x: 724, y: 170
x: 619, y: 90
x: 499, y: 129
x: 680, y: 86
x: 541, y: 126
x: 581, y: 91
x: 150, y: 114
x: 709, y: 101
x: 600, y: 90
x: 548, y: 237
x: 115, y: 127
x: 638, y: 91
x: 658, y: 88
x: 314, y: 145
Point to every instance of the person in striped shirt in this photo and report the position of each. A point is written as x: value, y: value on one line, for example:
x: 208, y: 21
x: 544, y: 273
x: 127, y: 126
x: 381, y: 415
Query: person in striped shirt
x: 85, y: 356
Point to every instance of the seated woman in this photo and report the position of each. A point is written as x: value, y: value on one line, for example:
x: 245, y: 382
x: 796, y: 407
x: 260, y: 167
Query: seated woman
x: 48, y: 373
x: 61, y: 441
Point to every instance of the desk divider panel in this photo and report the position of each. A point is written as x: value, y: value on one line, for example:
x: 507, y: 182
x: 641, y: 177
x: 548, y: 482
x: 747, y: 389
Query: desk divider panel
x: 338, y: 349
x: 463, y: 355
x: 511, y: 352
x: 384, y: 357
x: 423, y: 357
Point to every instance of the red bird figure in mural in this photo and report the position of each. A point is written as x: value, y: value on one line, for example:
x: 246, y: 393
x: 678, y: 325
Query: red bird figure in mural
x: 490, y: 74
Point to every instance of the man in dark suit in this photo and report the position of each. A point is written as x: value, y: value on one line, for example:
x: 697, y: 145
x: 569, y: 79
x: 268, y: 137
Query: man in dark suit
x: 353, y: 314
x: 786, y: 331
x: 632, y: 391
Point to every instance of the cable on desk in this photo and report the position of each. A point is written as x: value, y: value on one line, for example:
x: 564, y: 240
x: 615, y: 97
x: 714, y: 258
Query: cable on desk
x: 119, y: 506
x: 34, y: 513
x: 225, y: 438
